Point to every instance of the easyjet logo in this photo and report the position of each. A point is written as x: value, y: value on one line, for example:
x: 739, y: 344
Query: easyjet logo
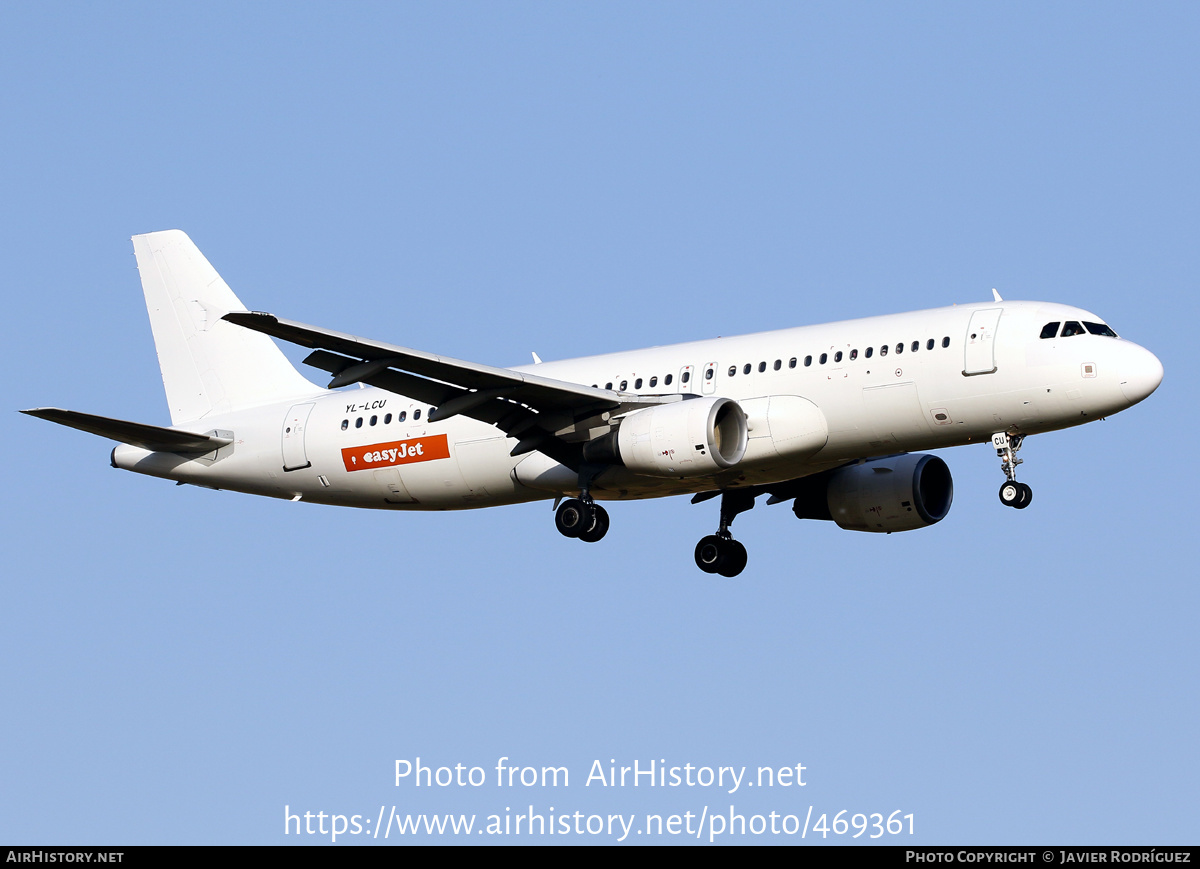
x: 396, y: 453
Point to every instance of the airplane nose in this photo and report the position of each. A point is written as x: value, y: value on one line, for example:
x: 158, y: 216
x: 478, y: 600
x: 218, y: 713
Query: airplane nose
x: 1140, y: 374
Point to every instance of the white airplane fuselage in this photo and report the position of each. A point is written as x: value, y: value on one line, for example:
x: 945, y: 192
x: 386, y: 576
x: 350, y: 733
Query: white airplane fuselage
x: 950, y: 376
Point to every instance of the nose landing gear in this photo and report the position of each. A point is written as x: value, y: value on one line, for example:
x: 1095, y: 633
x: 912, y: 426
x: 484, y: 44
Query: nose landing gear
x: 1012, y: 493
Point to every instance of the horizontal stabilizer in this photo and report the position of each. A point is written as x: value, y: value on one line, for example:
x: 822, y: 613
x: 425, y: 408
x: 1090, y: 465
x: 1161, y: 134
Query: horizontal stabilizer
x: 148, y: 437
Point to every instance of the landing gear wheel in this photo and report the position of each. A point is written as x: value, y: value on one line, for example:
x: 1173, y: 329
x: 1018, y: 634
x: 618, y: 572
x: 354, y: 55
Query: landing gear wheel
x: 722, y: 555
x: 708, y: 553
x: 598, y: 527
x: 734, y: 560
x: 573, y: 517
x: 1011, y: 494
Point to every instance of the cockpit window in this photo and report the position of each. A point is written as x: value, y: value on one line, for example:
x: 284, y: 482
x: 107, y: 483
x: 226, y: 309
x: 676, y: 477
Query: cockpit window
x: 1100, y: 329
x: 1050, y: 329
x: 1072, y: 328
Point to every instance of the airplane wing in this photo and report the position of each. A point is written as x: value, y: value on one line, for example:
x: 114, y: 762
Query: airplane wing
x: 148, y: 437
x: 544, y: 414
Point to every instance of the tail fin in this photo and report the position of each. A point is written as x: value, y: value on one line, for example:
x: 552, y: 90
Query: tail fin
x: 208, y: 365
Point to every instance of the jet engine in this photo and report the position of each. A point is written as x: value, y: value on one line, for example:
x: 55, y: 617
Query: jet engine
x: 895, y: 493
x: 684, y: 439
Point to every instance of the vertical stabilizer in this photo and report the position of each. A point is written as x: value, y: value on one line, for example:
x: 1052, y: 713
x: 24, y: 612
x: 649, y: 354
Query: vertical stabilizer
x: 209, y: 366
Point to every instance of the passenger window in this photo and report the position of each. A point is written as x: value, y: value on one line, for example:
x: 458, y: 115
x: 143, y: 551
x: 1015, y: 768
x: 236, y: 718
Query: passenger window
x: 762, y: 366
x: 746, y: 368
x: 654, y: 381
x: 402, y: 416
x: 870, y: 350
x: 387, y: 419
x: 929, y: 344
x: 946, y: 341
x: 883, y: 350
x: 792, y: 362
x: 1100, y: 329
x: 899, y: 348
x: 708, y: 374
x: 732, y: 370
x: 358, y: 422
x: 837, y: 357
x: 853, y: 354
x: 685, y: 377
x: 608, y: 385
x: 916, y: 345
x: 667, y: 380
x: 374, y: 420
x: 624, y: 385
x: 1071, y: 329
x: 807, y: 361
x: 417, y: 414
x: 1050, y: 329
x: 824, y: 356
x: 637, y: 384
x: 778, y: 364
x: 345, y: 424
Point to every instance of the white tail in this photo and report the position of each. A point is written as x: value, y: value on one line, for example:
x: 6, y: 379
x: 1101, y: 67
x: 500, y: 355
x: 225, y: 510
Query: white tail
x: 209, y: 366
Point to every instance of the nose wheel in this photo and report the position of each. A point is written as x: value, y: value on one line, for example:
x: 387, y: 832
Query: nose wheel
x: 1012, y: 493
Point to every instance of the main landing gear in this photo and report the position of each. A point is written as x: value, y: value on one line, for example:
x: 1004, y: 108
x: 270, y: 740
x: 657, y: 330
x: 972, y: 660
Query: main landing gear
x: 1012, y: 493
x: 582, y: 518
x: 720, y: 553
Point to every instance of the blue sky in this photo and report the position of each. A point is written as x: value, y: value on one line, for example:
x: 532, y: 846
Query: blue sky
x: 483, y: 180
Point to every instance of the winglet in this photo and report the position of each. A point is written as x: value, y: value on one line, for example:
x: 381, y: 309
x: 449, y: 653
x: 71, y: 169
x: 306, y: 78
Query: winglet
x: 996, y: 295
x: 537, y: 360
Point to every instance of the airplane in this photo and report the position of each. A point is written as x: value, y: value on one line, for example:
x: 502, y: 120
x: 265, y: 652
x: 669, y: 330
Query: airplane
x: 830, y: 417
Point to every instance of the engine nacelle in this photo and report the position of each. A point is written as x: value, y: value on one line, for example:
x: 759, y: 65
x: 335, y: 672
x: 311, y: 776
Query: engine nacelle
x: 897, y: 493
x: 685, y: 439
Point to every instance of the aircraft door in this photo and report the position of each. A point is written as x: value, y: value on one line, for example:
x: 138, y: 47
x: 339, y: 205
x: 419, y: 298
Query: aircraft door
x: 294, y: 457
x: 687, y: 380
x: 981, y: 340
x: 709, y: 383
